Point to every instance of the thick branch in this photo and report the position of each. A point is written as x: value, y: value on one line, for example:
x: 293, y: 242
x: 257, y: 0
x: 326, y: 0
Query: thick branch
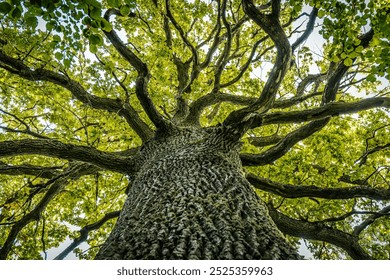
x: 308, y: 31
x: 296, y: 191
x: 284, y: 145
x: 319, y: 231
x: 54, y: 148
x: 142, y: 81
x: 275, y: 8
x: 126, y: 53
x: 328, y: 110
x: 320, y: 116
x: 265, y: 140
x: 84, y: 233
x: 272, y: 27
x: 212, y: 98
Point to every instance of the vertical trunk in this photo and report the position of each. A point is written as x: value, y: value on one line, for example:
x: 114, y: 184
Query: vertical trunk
x: 190, y: 200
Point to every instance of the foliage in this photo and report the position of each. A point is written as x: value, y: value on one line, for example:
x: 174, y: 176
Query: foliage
x: 67, y: 76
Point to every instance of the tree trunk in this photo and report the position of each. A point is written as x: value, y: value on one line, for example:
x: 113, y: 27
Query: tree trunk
x: 190, y: 200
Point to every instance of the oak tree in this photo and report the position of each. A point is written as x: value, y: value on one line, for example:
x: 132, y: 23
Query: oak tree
x: 197, y: 129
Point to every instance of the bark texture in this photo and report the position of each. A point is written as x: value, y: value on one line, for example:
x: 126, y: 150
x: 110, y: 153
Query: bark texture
x: 190, y: 200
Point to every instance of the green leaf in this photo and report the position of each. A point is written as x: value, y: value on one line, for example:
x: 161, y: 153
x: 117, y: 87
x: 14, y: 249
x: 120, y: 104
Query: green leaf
x: 16, y: 12
x: 32, y: 22
x: 371, y: 78
x: 114, y: 3
x: 67, y: 63
x: 105, y: 25
x: 5, y: 7
x: 93, y: 3
x: 125, y: 10
x: 93, y: 48
x: 56, y: 38
x: 95, y: 39
x: 321, y: 13
x: 96, y: 13
x: 59, y: 55
x: 348, y: 62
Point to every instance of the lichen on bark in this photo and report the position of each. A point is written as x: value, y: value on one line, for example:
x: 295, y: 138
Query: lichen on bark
x: 190, y: 200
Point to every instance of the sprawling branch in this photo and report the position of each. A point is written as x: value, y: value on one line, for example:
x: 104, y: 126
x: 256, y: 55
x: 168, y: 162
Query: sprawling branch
x: 53, y: 148
x: 245, y: 67
x: 319, y: 231
x: 271, y: 25
x: 317, y: 78
x: 328, y: 110
x: 18, y: 67
x: 28, y: 169
x: 182, y: 33
x: 308, y: 31
x: 283, y: 146
x: 265, y: 140
x: 84, y: 233
x: 319, y: 117
x: 363, y: 159
x: 296, y: 191
x: 371, y: 219
x: 74, y: 172
x: 143, y: 74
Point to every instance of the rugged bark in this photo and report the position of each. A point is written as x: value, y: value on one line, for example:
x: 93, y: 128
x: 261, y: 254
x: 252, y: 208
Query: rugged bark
x: 190, y: 200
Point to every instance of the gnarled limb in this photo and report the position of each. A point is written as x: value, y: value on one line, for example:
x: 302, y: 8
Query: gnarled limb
x: 284, y: 145
x: 271, y: 25
x: 143, y: 77
x: 321, y: 116
x: 295, y: 191
x: 319, y: 231
x: 309, y: 29
x: 265, y: 140
x: 53, y: 148
x: 328, y: 110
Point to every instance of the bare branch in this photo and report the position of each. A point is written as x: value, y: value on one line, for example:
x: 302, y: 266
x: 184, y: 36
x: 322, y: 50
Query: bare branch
x: 182, y: 33
x: 224, y: 57
x: 275, y: 8
x: 265, y: 140
x: 363, y: 159
x: 272, y: 27
x: 84, y: 233
x: 212, y: 98
x: 245, y: 67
